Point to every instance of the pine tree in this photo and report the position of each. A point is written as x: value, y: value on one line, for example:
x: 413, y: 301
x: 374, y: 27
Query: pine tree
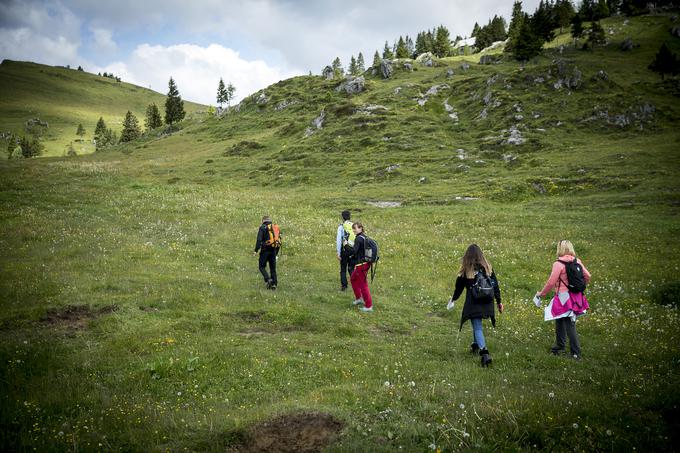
x: 564, y: 13
x: 601, y: 10
x: 587, y: 10
x: 576, y: 28
x: 387, y: 52
x: 221, y: 93
x: 528, y: 44
x: 665, y: 62
x: 231, y: 90
x: 361, y: 65
x: 475, y: 30
x: 131, y: 129
x: 410, y: 47
x: 352, y: 68
x: 81, y: 130
x: 596, y: 36
x: 421, y: 46
x: 402, y: 50
x: 174, y: 105
x: 376, y: 60
x: 442, y: 42
x: 543, y: 22
x: 100, y: 128
x: 515, y: 26
x: 153, y: 117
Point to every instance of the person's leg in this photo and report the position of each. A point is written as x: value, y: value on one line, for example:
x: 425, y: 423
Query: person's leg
x: 272, y: 266
x: 262, y: 265
x: 344, y: 265
x: 560, y: 335
x: 478, y: 333
x: 574, y: 344
x: 354, y: 279
x: 363, y: 285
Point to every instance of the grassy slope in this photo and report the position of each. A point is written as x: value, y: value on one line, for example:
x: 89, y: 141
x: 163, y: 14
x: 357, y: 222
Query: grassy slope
x: 198, y: 350
x: 66, y: 97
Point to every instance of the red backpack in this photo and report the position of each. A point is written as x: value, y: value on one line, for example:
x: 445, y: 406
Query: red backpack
x: 274, y: 233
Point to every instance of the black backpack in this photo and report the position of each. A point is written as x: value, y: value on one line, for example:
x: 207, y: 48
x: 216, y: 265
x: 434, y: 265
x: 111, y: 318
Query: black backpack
x: 576, y: 282
x: 482, y: 288
x: 370, y: 250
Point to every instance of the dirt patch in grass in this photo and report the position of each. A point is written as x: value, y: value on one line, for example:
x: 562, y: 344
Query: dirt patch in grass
x: 75, y: 316
x: 303, y: 432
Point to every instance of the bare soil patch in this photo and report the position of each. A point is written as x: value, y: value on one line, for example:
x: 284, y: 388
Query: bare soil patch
x: 75, y: 316
x: 305, y: 432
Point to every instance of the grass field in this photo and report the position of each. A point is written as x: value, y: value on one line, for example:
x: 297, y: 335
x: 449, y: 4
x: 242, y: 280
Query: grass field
x: 133, y: 316
x: 65, y: 98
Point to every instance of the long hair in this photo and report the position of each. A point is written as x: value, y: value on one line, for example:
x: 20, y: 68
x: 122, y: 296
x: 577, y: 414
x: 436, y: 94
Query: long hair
x: 472, y: 261
x: 360, y: 226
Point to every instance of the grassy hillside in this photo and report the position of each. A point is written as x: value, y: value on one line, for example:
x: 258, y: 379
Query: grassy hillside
x: 66, y: 97
x: 133, y: 317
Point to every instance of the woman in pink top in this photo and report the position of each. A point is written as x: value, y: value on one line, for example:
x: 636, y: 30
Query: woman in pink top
x: 566, y: 305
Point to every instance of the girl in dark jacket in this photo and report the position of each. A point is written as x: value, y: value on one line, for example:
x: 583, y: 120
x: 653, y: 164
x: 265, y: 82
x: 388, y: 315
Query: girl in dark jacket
x: 475, y: 310
x: 359, y: 277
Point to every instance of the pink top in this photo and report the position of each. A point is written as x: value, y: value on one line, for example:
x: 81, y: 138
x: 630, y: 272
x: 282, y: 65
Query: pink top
x: 558, y: 276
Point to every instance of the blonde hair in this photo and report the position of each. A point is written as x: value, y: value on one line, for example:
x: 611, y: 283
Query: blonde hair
x: 565, y: 247
x: 472, y: 261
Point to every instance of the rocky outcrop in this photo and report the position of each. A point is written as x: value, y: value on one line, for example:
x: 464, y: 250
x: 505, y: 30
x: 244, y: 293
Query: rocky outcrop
x: 317, y: 123
x: 386, y: 69
x: 285, y: 104
x: 352, y: 85
x: 433, y: 91
x: 426, y: 59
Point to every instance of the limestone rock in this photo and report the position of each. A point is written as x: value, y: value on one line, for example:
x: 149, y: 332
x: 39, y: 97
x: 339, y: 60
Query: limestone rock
x: 285, y: 104
x: 426, y: 59
x: 317, y: 123
x: 449, y: 73
x: 352, y: 85
x: 262, y: 99
x: 408, y: 66
x: 487, y: 59
x: 626, y: 45
x: 386, y: 69
x: 464, y: 66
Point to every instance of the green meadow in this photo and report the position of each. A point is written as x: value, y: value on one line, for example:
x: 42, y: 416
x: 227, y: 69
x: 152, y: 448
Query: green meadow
x: 133, y: 317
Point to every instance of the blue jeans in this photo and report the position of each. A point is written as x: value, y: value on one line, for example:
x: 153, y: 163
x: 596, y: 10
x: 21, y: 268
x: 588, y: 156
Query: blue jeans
x: 477, y: 333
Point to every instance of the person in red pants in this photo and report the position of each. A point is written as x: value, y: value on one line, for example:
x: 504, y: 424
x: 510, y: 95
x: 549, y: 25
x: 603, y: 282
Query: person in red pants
x: 359, y: 277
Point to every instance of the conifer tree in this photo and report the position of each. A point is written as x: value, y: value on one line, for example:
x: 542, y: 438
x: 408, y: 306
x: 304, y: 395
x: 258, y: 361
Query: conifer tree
x: 442, y: 42
x: 361, y: 65
x: 352, y: 68
x: 99, y: 129
x: 153, y: 117
x: 402, y: 50
x: 528, y: 44
x: 576, y: 28
x: 174, y: 105
x: 80, y: 131
x: 665, y: 62
x: 596, y: 36
x: 421, y: 46
x: 410, y: 47
x: 337, y: 67
x: 387, y: 52
x: 376, y: 60
x: 231, y: 89
x: 131, y: 129
x: 564, y: 13
x: 475, y: 30
x: 221, y: 93
x: 515, y: 26
x: 600, y: 10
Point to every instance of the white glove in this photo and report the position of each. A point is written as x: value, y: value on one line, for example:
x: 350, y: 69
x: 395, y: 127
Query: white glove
x: 451, y: 304
x: 537, y: 301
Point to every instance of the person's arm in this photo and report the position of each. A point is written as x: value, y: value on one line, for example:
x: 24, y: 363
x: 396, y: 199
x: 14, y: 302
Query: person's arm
x: 460, y: 286
x: 552, y: 280
x: 260, y: 238
x: 338, y: 239
x: 496, y: 288
x: 358, y: 243
x: 586, y: 274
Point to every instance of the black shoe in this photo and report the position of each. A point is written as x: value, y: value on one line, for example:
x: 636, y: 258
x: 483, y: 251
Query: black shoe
x: 485, y: 357
x: 474, y: 348
x: 555, y: 351
x: 269, y: 283
x: 272, y: 286
x: 343, y: 288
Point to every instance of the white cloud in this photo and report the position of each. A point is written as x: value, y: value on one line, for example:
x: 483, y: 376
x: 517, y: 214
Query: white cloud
x: 47, y: 33
x: 103, y: 40
x: 196, y: 70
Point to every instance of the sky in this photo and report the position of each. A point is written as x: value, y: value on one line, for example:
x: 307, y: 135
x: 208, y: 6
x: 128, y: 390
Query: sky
x: 250, y: 43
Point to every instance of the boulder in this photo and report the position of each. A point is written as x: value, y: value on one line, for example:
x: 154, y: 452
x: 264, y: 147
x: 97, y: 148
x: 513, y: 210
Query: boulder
x: 487, y: 59
x: 352, y: 85
x: 262, y: 99
x: 328, y: 73
x: 602, y: 75
x: 626, y: 45
x: 386, y: 69
x: 392, y: 168
x: 514, y: 138
x: 449, y: 73
x: 426, y: 59
x: 317, y: 123
x: 408, y: 66
x: 464, y: 66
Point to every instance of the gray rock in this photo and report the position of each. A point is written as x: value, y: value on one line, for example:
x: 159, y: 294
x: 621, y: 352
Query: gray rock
x: 487, y: 98
x: 422, y: 180
x: 675, y: 31
x: 514, y: 137
x: 450, y: 110
x: 285, y: 104
x: 392, y: 168
x: 328, y: 73
x: 487, y: 59
x: 538, y: 187
x: 317, y: 123
x: 435, y: 89
x: 626, y: 45
x: 464, y: 66
x: 538, y: 80
x: 408, y: 66
x: 461, y: 154
x: 397, y: 90
x: 483, y: 114
x: 386, y: 69
x: 426, y: 59
x: 491, y: 80
x: 352, y: 85
x: 519, y: 117
x: 449, y: 73
x: 602, y: 75
x: 384, y: 204
x: 37, y: 122
x: 262, y: 99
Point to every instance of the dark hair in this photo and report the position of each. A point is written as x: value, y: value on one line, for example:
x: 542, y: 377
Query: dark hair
x: 346, y: 215
x: 472, y: 261
x: 359, y: 225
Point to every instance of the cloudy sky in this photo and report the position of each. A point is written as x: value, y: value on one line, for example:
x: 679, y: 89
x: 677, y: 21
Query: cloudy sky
x: 251, y: 43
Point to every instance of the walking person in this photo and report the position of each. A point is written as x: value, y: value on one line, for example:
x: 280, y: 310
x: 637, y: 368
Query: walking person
x: 344, y: 244
x: 477, y: 278
x: 268, y: 244
x: 568, y: 279
x: 359, y: 277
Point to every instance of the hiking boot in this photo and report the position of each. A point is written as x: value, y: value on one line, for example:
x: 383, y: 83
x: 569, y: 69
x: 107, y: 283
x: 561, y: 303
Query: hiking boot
x: 366, y: 310
x: 269, y: 283
x: 485, y: 357
x: 358, y: 302
x: 556, y: 351
x: 474, y: 348
x: 272, y: 286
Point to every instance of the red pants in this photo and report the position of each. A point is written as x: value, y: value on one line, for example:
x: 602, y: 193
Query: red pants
x: 359, y: 279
